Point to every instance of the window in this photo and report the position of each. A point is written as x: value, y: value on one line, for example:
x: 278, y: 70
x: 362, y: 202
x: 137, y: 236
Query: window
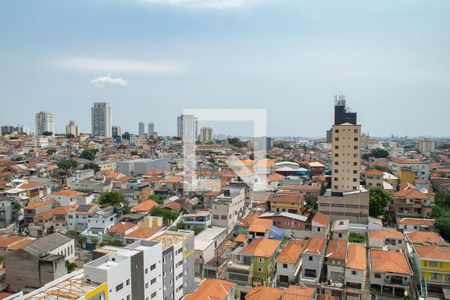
x: 128, y: 282
x: 153, y: 295
x: 259, y: 270
x: 146, y: 270
x: 310, y: 258
x: 152, y: 267
x: 146, y: 285
x: 353, y: 272
x: 433, y: 264
x: 377, y: 275
x: 119, y: 287
x: 436, y: 276
x: 284, y: 266
x: 153, y: 281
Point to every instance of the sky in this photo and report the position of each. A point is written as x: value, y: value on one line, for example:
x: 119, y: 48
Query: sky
x: 150, y: 59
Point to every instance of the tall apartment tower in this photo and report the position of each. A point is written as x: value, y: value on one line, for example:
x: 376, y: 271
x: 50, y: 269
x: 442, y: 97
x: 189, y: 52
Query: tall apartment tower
x: 187, y: 127
x: 206, y: 134
x: 45, y: 122
x: 72, y: 128
x: 151, y: 129
x: 346, y: 199
x: 141, y: 129
x: 101, y: 120
x: 346, y: 149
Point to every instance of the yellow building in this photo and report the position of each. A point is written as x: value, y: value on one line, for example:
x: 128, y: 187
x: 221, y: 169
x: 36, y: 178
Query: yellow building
x: 406, y: 176
x: 433, y: 263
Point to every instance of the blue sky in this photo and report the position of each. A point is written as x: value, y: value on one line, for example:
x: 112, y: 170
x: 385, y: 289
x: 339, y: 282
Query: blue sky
x: 152, y: 58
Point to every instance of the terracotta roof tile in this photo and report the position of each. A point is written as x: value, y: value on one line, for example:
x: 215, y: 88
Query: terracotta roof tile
x: 261, y: 248
x: 389, y: 261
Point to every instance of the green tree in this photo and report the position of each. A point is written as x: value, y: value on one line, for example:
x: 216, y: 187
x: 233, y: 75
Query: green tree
x: 47, y: 133
x: 356, y: 238
x: 158, y: 198
x: 88, y: 154
x: 379, y: 153
x: 126, y: 136
x: 112, y: 198
x: 180, y: 225
x: 365, y: 156
x: 67, y: 164
x: 378, y: 200
x: 310, y: 201
x: 168, y: 215
x: 235, y: 142
x: 51, y: 151
x: 71, y: 266
x: 442, y: 226
x: 70, y: 136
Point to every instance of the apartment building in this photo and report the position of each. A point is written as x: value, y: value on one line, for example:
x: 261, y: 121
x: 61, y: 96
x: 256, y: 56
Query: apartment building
x: 228, y: 207
x: 346, y: 199
x: 132, y: 272
x: 45, y: 122
x: 178, y: 263
x: 101, y: 120
x: 206, y: 135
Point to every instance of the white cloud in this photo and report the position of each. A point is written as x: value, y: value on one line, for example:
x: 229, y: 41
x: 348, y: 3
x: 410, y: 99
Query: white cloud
x: 107, y: 81
x: 120, y: 65
x: 204, y: 4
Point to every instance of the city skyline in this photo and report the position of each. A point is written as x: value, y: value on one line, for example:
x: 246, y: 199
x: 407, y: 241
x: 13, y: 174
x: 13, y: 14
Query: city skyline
x: 254, y: 54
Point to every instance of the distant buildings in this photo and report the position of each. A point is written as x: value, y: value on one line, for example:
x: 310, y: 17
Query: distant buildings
x: 151, y: 129
x: 72, y: 128
x: 116, y: 131
x: 426, y: 146
x: 206, y: 135
x: 141, y: 129
x: 101, y: 120
x: 139, y: 167
x: 45, y: 122
x: 187, y: 127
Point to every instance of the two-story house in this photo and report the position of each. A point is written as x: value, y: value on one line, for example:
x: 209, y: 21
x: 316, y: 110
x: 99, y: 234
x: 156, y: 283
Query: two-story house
x: 355, y: 272
x: 289, y: 262
x: 387, y: 239
x: 312, y: 260
x: 390, y: 273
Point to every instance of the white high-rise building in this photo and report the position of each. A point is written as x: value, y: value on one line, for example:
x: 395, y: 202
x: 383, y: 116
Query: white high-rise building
x: 101, y: 120
x: 206, y: 134
x: 187, y: 127
x: 45, y: 122
x: 151, y: 129
x: 72, y: 128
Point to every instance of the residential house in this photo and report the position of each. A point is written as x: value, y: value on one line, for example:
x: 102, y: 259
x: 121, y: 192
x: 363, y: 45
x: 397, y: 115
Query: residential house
x: 312, y: 260
x: 216, y: 289
x: 433, y: 265
x: 34, y: 209
x: 291, y: 202
x: 289, y: 262
x: 38, y: 263
x: 387, y: 239
x: 340, y: 230
x: 254, y: 264
x: 415, y: 224
x: 425, y: 238
x: 390, y: 273
x: 355, y: 272
x: 410, y: 202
